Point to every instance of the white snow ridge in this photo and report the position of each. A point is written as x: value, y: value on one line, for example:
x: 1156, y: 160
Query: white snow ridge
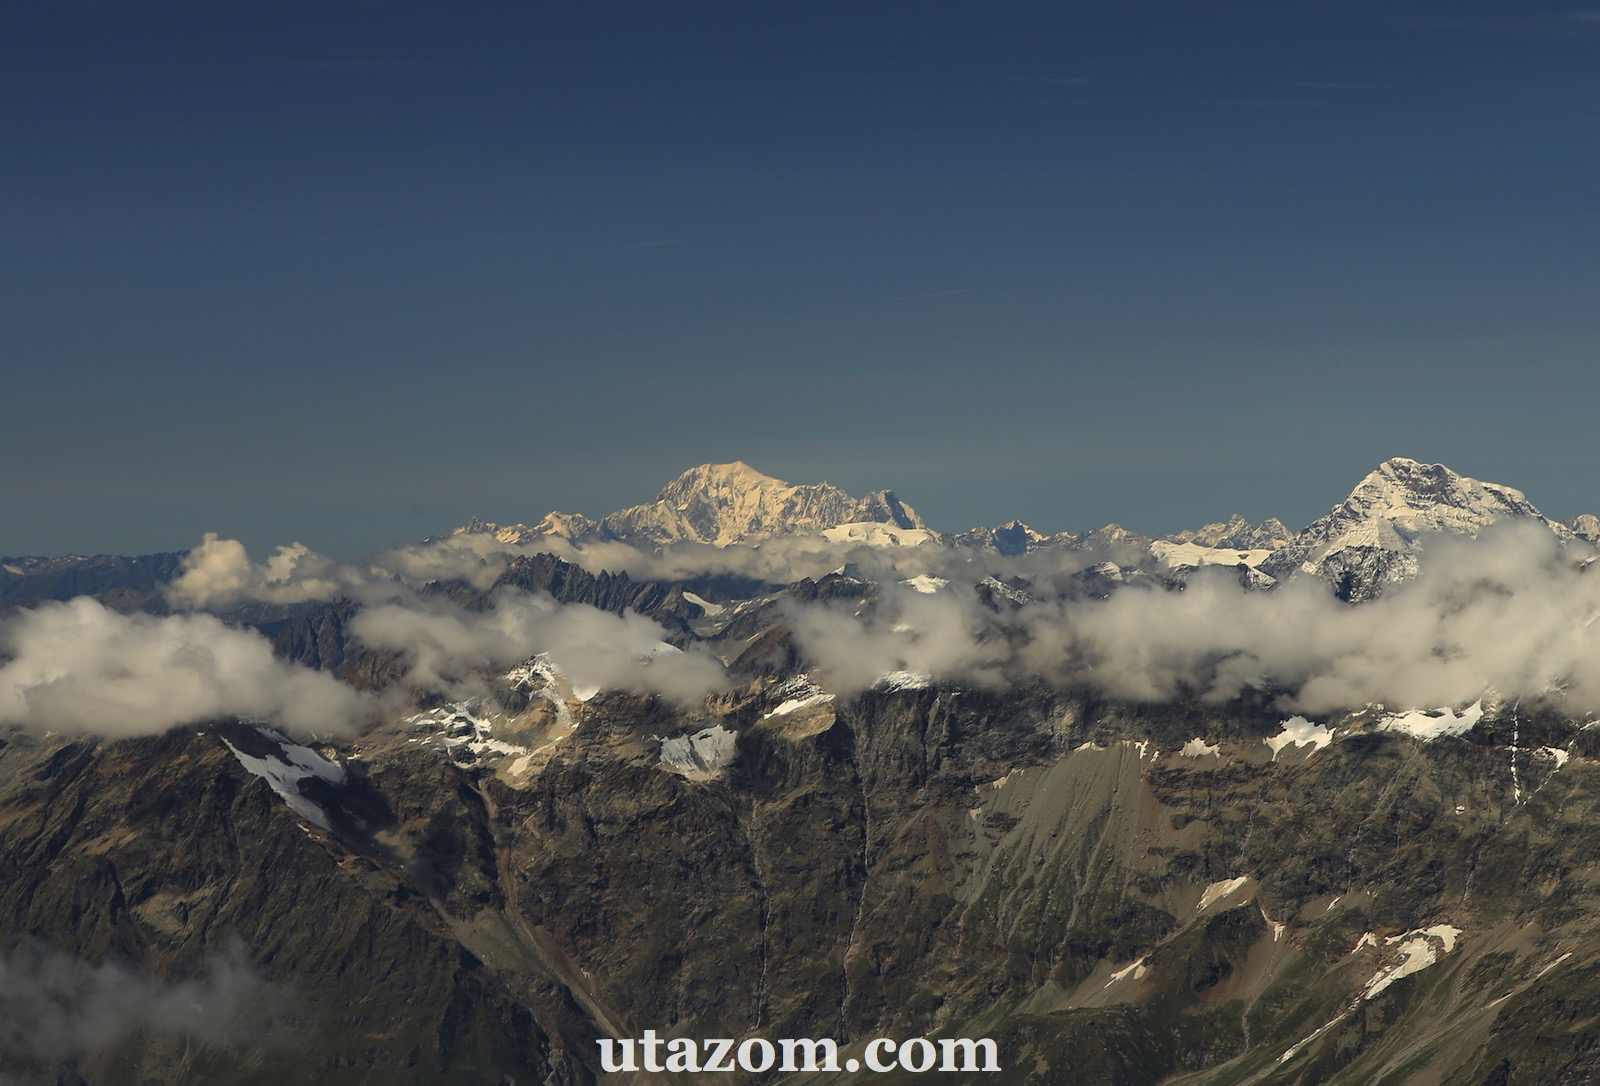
x: 799, y: 694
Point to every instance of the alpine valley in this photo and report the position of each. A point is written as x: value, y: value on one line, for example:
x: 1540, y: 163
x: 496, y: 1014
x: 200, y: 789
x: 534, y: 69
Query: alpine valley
x: 1238, y: 805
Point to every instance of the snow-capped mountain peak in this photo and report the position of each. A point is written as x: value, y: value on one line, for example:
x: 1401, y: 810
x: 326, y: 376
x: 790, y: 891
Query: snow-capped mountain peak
x: 1373, y: 537
x: 722, y: 504
x: 1410, y: 497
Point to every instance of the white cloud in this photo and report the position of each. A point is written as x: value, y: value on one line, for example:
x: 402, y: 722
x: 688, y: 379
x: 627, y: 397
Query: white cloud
x: 219, y: 572
x: 446, y: 647
x: 1512, y: 611
x: 57, y: 1008
x: 79, y: 667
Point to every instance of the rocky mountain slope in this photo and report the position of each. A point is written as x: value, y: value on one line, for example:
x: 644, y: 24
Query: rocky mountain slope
x: 1135, y: 894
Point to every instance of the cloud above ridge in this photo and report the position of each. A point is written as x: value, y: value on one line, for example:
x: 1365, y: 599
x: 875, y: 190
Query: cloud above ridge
x: 219, y: 572
x: 446, y: 647
x: 80, y: 667
x: 1512, y: 611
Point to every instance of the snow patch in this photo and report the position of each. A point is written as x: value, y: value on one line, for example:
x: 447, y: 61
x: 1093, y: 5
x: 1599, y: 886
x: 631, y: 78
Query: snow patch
x: 1001, y: 782
x: 1136, y: 970
x: 926, y: 583
x: 1318, y: 1032
x: 1217, y: 891
x: 284, y: 773
x: 707, y: 608
x: 1416, y: 950
x: 795, y: 705
x: 1557, y: 753
x: 1428, y: 725
x: 903, y: 680
x: 1198, y: 554
x: 1298, y: 731
x: 459, y: 727
x: 1198, y: 748
x: 876, y: 534
x: 1553, y: 964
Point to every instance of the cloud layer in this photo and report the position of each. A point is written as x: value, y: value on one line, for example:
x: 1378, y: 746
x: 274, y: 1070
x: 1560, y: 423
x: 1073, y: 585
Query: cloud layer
x: 55, y: 1008
x: 447, y: 647
x: 1512, y: 612
x: 219, y: 572
x: 79, y: 667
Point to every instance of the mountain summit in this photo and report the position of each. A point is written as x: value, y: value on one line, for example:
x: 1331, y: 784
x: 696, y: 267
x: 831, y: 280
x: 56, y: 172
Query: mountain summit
x: 1373, y: 537
x: 723, y: 504
x: 733, y: 503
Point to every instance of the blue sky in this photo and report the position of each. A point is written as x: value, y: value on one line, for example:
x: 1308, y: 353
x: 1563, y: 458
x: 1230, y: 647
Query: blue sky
x: 351, y: 271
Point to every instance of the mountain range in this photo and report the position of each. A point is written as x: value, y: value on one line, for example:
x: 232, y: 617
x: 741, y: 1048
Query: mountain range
x: 1244, y: 833
x: 1371, y: 539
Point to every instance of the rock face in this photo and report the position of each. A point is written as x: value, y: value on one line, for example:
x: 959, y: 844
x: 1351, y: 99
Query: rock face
x: 1375, y: 536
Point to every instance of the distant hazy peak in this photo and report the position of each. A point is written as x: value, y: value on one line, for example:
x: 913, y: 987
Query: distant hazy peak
x: 1585, y: 526
x: 1237, y: 533
x: 567, y: 525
